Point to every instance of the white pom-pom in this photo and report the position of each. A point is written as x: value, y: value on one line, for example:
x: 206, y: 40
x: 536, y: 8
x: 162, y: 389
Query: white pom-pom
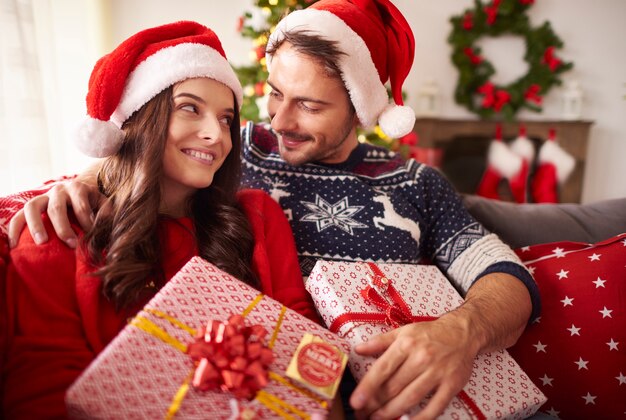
x: 396, y: 121
x: 97, y: 138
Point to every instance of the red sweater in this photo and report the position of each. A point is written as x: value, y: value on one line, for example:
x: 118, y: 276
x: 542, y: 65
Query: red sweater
x: 58, y: 321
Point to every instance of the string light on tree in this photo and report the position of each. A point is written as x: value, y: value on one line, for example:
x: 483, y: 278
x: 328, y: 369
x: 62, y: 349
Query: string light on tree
x: 257, y: 25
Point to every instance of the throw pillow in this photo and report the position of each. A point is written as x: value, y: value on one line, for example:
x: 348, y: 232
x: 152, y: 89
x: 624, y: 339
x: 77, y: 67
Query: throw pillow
x: 576, y: 351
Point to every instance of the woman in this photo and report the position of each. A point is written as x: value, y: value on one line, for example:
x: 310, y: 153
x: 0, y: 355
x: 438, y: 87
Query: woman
x: 163, y: 109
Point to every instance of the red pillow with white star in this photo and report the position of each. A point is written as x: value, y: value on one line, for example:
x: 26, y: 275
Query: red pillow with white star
x: 576, y: 351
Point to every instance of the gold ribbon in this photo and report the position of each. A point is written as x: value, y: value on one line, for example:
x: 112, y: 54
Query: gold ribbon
x: 270, y: 401
x: 276, y: 404
x: 171, y: 320
x: 153, y: 329
x: 178, y: 398
x: 279, y: 323
x: 276, y: 377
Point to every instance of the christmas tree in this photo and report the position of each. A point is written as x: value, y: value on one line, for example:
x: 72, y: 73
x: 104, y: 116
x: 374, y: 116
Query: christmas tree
x: 257, y: 24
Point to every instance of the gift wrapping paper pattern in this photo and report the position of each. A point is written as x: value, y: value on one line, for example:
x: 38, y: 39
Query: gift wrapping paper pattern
x: 497, y: 386
x: 138, y: 375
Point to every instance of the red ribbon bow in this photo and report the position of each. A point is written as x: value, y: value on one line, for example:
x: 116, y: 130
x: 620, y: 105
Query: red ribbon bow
x: 232, y: 357
x: 492, y: 12
x: 394, y: 312
x: 494, y: 98
x: 474, y: 58
x: 468, y: 21
x: 532, y: 94
x: 550, y: 59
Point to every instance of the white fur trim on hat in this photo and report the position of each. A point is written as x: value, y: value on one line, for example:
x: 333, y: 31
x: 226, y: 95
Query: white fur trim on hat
x: 97, y: 138
x: 171, y: 65
x: 552, y: 153
x: 367, y: 93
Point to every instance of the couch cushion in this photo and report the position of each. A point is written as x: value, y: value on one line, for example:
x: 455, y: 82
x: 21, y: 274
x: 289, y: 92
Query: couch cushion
x: 529, y: 224
x: 576, y: 352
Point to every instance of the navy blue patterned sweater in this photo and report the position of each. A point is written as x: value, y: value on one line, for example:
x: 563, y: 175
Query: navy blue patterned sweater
x: 378, y: 207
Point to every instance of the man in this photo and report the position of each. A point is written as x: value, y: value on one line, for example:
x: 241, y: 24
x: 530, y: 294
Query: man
x: 351, y: 201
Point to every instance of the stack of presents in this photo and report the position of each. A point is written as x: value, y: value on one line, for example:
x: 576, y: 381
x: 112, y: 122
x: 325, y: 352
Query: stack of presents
x: 208, y: 343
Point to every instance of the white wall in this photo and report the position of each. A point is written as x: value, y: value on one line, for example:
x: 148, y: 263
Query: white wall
x: 593, y: 33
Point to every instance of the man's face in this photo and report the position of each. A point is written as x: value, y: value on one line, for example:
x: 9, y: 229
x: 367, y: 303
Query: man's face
x: 310, y: 111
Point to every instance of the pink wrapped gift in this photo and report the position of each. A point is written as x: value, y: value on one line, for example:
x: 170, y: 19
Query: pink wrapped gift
x: 362, y: 300
x: 209, y: 346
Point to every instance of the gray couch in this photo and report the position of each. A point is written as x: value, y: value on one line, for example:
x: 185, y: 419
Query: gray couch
x: 529, y: 224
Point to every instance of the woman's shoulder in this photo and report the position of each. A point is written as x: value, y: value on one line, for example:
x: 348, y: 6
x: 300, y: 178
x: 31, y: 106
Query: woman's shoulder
x: 259, y: 206
x: 252, y: 197
x: 28, y: 248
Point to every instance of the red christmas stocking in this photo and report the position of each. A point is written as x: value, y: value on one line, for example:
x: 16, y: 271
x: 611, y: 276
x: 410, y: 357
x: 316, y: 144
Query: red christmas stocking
x: 488, y: 186
x: 555, y: 166
x: 545, y: 186
x: 524, y: 148
x: 501, y: 163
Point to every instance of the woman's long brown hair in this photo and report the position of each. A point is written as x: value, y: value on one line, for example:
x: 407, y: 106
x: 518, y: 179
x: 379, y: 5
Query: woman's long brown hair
x: 124, y: 243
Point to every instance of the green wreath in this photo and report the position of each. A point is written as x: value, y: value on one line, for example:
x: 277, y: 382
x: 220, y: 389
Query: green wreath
x: 474, y: 89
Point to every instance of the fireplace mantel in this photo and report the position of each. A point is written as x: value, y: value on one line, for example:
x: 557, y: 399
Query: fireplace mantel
x: 572, y: 136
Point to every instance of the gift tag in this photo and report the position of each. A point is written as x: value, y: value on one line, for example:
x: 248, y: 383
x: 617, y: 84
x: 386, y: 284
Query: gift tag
x: 317, y: 365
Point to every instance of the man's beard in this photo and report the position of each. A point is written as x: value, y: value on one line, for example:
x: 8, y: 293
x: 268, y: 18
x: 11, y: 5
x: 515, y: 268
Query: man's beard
x: 316, y: 155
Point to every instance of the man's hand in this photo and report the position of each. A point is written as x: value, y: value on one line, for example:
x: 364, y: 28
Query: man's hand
x: 82, y: 197
x: 419, y: 359
x: 436, y: 357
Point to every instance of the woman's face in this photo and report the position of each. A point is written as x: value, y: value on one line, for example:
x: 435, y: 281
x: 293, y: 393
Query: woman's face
x: 198, y: 138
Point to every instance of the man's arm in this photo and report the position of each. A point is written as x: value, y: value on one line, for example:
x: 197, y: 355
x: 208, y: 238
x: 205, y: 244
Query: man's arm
x: 81, y: 194
x: 436, y: 357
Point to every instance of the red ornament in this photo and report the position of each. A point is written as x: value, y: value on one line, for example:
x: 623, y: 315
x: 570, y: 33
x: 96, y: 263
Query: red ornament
x: 260, y: 52
x: 232, y: 357
x: 492, y: 12
x: 259, y: 88
x: 240, y: 24
x: 550, y: 59
x: 532, y: 94
x: 493, y: 98
x: 473, y: 57
x: 527, y: 2
x: 502, y: 98
x: 410, y: 139
x: 468, y: 21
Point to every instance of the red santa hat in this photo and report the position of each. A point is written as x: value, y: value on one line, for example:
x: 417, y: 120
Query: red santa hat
x: 378, y: 44
x: 140, y: 68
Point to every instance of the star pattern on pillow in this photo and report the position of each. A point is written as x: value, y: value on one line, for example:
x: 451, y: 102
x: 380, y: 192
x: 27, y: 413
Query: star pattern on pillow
x: 576, y: 351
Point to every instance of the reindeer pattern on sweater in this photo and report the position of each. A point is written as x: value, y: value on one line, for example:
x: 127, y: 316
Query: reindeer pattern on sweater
x: 376, y: 207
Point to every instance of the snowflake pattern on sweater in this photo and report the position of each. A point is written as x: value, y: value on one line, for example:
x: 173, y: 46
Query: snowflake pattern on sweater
x: 376, y: 206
